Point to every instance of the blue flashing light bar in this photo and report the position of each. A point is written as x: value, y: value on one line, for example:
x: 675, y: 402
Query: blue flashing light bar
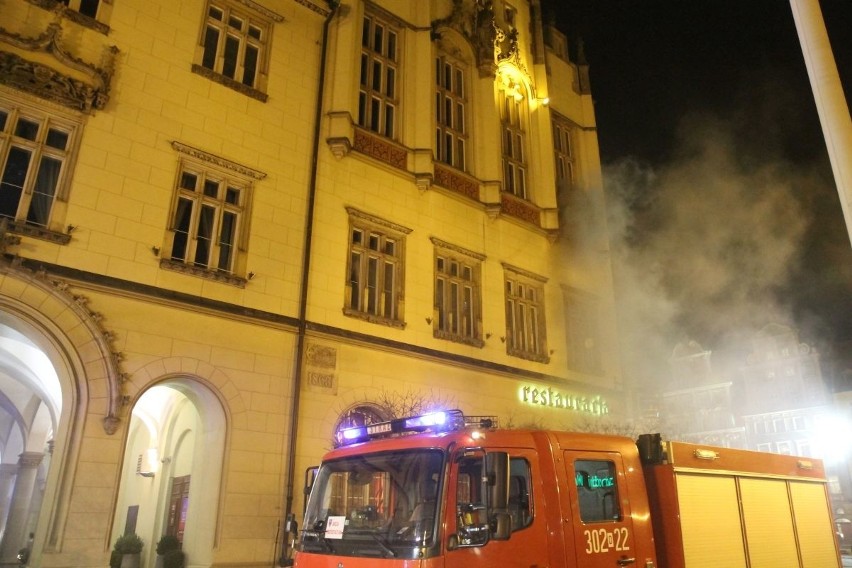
x: 441, y: 421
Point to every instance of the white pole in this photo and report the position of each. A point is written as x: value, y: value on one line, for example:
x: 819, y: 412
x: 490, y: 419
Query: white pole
x: 828, y: 94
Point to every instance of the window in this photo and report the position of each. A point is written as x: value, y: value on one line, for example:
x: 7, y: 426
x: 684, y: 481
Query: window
x: 525, y: 327
x: 563, y: 153
x: 597, y: 491
x: 458, y: 304
x: 209, y: 221
x: 450, y: 113
x: 378, y: 98
x: 36, y: 158
x: 785, y: 447
x: 374, y: 282
x: 233, y: 47
x: 520, y: 500
x: 86, y: 7
x: 514, y: 140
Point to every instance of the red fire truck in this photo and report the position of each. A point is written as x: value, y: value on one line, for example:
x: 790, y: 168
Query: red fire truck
x: 444, y: 490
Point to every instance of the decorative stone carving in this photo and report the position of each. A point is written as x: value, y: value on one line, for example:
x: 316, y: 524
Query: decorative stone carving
x: 474, y: 20
x: 215, y: 160
x: 455, y: 181
x: 380, y: 149
x: 49, y: 83
x: 520, y: 209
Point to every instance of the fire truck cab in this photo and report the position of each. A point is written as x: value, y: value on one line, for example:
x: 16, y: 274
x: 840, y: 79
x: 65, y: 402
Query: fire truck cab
x: 445, y: 490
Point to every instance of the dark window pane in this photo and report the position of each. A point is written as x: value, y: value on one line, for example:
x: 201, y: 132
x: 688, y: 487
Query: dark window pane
x: 26, y: 129
x: 211, y: 188
x: 365, y: 33
x: 389, y: 121
x: 374, y: 242
x: 391, y: 46
x: 226, y: 240
x: 44, y: 190
x: 357, y: 236
x: 232, y: 48
x: 211, y: 42
x: 378, y: 37
x: 372, y: 285
x: 355, y: 280
x: 57, y: 139
x: 183, y: 215
x: 390, y: 83
x: 376, y: 83
x: 188, y: 181
x: 254, y: 32
x: 365, y: 66
x: 362, y: 108
x: 250, y: 65
x: 232, y: 196
x: 204, y: 235
x: 215, y: 13
x: 375, y: 104
x: 89, y: 8
x: 3, y: 116
x: 389, y: 308
x: 235, y: 23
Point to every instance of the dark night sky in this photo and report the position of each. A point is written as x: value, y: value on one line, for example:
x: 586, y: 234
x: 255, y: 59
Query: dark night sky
x: 712, y: 148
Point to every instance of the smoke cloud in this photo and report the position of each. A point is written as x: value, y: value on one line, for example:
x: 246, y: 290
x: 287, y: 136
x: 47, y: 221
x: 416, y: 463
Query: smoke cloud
x: 706, y: 248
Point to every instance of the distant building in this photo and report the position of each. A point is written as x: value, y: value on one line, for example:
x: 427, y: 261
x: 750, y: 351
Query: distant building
x: 697, y: 406
x: 230, y: 227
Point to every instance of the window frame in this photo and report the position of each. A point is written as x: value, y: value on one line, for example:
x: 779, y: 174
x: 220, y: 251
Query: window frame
x: 216, y: 64
x: 49, y: 119
x: 442, y: 323
x: 563, y: 152
x: 532, y: 343
x: 227, y: 175
x: 451, y: 134
x: 359, y: 306
x: 381, y: 101
x: 513, y: 142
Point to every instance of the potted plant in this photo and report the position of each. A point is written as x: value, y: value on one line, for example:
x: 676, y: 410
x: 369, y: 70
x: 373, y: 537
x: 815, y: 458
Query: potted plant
x: 126, y: 551
x: 173, y: 559
x: 166, y: 546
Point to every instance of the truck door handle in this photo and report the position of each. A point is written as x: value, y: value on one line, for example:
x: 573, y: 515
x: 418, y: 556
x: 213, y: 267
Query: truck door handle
x: 624, y: 561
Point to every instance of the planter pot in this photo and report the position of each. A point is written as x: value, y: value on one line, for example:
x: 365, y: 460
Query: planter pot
x: 159, y: 562
x: 130, y: 560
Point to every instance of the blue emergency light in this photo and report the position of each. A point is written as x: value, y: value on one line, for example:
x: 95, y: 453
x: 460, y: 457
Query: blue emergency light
x: 440, y: 421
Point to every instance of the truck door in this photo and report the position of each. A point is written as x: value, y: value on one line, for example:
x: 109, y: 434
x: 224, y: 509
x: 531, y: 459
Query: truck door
x: 600, y: 511
x: 527, y: 545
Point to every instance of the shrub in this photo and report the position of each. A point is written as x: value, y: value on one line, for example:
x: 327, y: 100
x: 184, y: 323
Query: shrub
x: 128, y: 544
x: 173, y: 559
x: 115, y: 559
x: 166, y: 543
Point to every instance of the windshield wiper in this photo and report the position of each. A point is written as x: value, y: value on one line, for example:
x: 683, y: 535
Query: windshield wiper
x: 384, y: 546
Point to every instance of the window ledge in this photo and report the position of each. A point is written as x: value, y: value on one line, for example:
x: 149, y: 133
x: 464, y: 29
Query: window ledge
x: 74, y: 16
x: 36, y: 232
x: 373, y: 318
x: 230, y: 83
x: 472, y: 341
x: 215, y: 275
x: 537, y: 357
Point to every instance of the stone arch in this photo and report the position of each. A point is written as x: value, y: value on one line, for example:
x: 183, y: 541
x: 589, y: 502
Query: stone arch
x: 191, y: 439
x: 43, y: 310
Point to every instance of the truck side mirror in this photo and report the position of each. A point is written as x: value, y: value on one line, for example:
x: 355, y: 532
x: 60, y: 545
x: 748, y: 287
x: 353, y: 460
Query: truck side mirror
x: 497, y: 470
x: 310, y: 477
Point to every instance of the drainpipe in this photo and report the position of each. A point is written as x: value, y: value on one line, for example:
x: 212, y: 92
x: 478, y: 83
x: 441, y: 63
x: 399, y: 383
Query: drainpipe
x: 289, y: 516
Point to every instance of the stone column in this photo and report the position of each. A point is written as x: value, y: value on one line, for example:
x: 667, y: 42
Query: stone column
x: 16, y: 521
x: 828, y: 94
x: 7, y: 480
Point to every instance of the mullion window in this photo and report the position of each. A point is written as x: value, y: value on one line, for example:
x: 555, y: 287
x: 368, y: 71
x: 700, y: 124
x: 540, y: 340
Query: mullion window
x: 525, y: 326
x: 233, y: 44
x: 33, y: 154
x: 373, y: 273
x: 514, y: 140
x: 451, y: 133
x: 563, y: 153
x: 457, y: 306
x: 378, y: 103
x: 206, y: 221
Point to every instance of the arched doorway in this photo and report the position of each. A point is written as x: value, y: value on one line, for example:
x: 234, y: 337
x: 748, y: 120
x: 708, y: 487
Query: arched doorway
x: 30, y: 406
x: 171, y: 473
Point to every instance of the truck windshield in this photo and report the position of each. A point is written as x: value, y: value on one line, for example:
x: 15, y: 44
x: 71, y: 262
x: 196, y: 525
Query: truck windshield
x: 380, y: 505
